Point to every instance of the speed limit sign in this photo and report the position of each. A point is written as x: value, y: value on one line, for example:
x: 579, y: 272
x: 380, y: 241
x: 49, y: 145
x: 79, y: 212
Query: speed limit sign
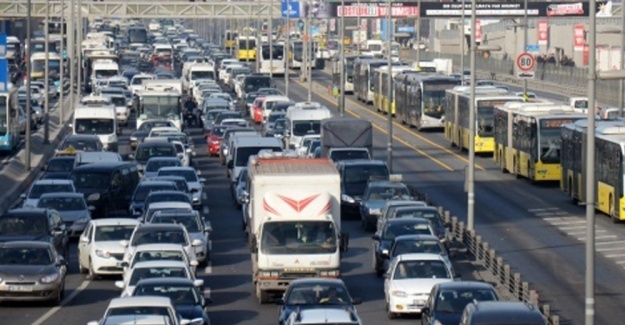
x: 525, y: 65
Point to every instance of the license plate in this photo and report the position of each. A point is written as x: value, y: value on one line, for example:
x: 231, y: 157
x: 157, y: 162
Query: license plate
x: 21, y: 288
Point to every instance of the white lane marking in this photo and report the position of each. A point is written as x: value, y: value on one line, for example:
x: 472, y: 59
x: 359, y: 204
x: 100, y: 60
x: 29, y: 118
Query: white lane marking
x: 65, y: 301
x: 620, y: 262
x: 572, y: 227
x: 209, y: 268
x: 607, y: 249
x: 614, y: 242
x: 559, y: 221
x: 614, y: 255
x: 606, y: 236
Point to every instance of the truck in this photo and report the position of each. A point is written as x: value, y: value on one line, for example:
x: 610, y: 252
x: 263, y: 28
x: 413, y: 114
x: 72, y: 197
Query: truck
x: 346, y: 134
x: 294, y: 225
x: 303, y: 118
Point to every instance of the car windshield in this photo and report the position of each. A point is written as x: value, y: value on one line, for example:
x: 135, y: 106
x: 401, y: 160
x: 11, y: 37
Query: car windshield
x: 25, y: 256
x: 39, y: 189
x: 455, y: 300
x: 147, y: 126
x: 94, y: 126
x: 301, y: 128
x: 90, y: 180
x: 318, y: 294
x: 355, y: 178
x: 393, y: 230
x: 160, y: 255
x: 63, y: 203
x: 113, y: 233
x: 167, y: 197
x: 432, y: 216
x: 140, y: 310
x: 147, y: 152
x: 155, y: 165
x: 159, y: 237
x: 156, y: 272
x: 433, y: 269
x: 178, y: 294
x: 289, y: 237
x: 81, y: 145
x: 23, y: 225
x: 418, y: 246
x: 377, y: 193
x: 190, y: 223
x: 60, y: 165
x: 189, y: 175
x: 142, y: 191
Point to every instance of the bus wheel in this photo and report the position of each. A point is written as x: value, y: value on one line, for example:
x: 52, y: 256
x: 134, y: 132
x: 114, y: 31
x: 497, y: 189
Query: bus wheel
x: 573, y: 198
x: 515, y: 166
x: 611, y: 211
x: 502, y: 163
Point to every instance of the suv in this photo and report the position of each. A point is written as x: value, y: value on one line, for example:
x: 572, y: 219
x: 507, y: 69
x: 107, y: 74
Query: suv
x: 501, y: 313
x: 355, y: 175
x: 35, y: 224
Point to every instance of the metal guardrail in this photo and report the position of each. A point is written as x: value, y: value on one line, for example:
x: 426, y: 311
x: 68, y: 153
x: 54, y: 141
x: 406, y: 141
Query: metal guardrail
x: 487, y: 257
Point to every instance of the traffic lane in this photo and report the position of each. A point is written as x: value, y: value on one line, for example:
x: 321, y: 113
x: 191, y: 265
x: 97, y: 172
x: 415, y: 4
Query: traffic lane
x: 533, y: 263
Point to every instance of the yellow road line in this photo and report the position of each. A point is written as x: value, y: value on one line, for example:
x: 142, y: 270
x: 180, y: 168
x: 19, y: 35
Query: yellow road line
x: 396, y: 124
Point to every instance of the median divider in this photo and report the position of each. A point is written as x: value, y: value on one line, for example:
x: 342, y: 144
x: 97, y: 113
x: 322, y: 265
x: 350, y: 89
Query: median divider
x: 14, y: 178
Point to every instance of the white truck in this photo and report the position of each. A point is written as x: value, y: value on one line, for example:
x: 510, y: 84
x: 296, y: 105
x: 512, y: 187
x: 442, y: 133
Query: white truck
x: 198, y: 71
x: 304, y: 118
x: 294, y: 226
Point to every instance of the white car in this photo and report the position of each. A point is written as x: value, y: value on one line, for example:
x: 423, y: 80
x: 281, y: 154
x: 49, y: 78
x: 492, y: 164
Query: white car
x: 195, y: 183
x: 99, y: 252
x: 183, y: 153
x: 410, y: 279
x: 153, y: 252
x: 155, y: 269
x: 195, y: 226
x: 163, y: 206
x: 151, y: 310
x: 305, y: 142
x: 42, y: 186
x: 159, y: 233
x: 157, y: 131
x: 238, y: 122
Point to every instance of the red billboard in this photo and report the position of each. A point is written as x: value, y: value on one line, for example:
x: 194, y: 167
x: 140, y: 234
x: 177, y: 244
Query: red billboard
x: 579, y: 37
x: 543, y: 32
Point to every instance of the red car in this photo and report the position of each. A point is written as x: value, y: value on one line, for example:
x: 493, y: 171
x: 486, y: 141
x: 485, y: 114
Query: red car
x: 214, y: 139
x: 257, y: 109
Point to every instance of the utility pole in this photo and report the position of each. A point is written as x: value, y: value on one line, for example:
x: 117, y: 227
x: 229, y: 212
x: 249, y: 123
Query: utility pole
x: 46, y: 76
x: 621, y: 83
x: 463, y: 40
x: 270, y: 34
x: 358, y: 22
x: 61, y: 67
x: 28, y: 90
x: 72, y: 53
x: 79, y: 49
x: 342, y: 59
x: 525, y: 27
x: 311, y: 57
x: 471, y: 167
x: 389, y: 57
x: 287, y: 48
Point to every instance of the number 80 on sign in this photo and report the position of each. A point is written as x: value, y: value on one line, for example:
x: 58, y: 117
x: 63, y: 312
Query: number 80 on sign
x: 525, y: 62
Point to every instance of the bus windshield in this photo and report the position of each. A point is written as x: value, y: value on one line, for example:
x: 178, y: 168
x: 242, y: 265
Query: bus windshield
x: 54, y: 65
x: 277, y: 52
x: 247, y: 44
x: 94, y: 126
x: 434, y: 97
x: 550, y: 140
x: 160, y: 107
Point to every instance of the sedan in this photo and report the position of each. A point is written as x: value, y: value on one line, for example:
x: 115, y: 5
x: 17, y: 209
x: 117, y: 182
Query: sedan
x: 189, y: 302
x: 375, y: 197
x: 155, y: 269
x: 195, y: 226
x: 40, y: 187
x: 156, y: 163
x: 448, y: 300
x: 160, y: 252
x: 151, y: 310
x: 407, y: 244
x: 142, y: 132
x: 31, y: 271
x: 73, y: 209
x: 195, y: 183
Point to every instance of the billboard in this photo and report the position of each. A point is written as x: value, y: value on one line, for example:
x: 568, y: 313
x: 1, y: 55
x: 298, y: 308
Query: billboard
x: 543, y: 32
x: 378, y: 10
x: 515, y: 9
x: 579, y: 37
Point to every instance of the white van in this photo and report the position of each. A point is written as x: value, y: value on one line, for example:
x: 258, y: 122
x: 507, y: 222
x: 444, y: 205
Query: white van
x: 304, y: 119
x: 245, y: 147
x: 100, y: 121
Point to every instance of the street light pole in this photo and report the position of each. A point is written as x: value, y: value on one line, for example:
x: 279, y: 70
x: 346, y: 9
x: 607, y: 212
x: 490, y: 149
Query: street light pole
x: 270, y: 34
x: 621, y: 83
x: 61, y: 67
x: 389, y: 57
x: 72, y: 52
x: 287, y: 47
x: 525, y: 27
x: 359, y: 28
x: 28, y: 90
x: 471, y: 167
x: 342, y: 60
x: 417, y: 27
x: 78, y: 46
x: 311, y: 56
x: 46, y: 76
x: 590, y: 167
x: 463, y: 39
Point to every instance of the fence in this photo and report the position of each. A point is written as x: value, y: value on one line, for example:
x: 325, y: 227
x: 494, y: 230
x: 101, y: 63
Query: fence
x: 553, y: 78
x: 487, y: 257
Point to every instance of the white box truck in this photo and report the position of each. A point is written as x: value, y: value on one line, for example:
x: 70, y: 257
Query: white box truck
x: 294, y: 226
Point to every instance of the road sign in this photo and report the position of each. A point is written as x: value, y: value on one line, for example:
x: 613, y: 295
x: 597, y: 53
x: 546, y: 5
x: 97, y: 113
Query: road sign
x: 300, y: 25
x: 525, y: 64
x: 4, y: 75
x: 533, y: 48
x: 291, y: 9
x: 3, y: 44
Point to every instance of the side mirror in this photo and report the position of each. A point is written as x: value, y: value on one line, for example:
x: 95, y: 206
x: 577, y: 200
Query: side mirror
x: 198, y: 282
x: 84, y: 240
x: 356, y: 301
x: 385, y: 253
x: 23, y: 196
x: 123, y: 243
x: 196, y: 243
x: 119, y: 284
x: 194, y: 263
x: 425, y: 310
x: 230, y: 164
x: 279, y: 301
x: 376, y: 237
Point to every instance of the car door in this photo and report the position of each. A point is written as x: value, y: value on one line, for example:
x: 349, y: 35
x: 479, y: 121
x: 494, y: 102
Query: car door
x: 84, y: 244
x: 59, y: 234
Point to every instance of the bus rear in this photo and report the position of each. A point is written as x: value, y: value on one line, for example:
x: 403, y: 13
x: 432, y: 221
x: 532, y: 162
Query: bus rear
x: 9, y: 122
x: 275, y: 66
x: 246, y: 48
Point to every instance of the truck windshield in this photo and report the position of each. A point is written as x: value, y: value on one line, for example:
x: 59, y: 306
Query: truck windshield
x: 298, y: 237
x: 340, y: 155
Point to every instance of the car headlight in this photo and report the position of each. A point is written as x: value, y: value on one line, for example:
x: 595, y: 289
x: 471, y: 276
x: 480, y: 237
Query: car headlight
x: 399, y: 293
x: 347, y: 198
x: 93, y: 197
x: 102, y: 253
x: 375, y: 211
x: 134, y: 139
x: 49, y: 278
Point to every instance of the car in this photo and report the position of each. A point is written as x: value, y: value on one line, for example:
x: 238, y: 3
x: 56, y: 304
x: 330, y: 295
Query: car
x: 99, y: 252
x: 147, y: 150
x: 181, y: 183
x: 156, y: 233
x: 184, y: 154
x: 156, y: 163
x: 151, y: 310
x: 279, y: 128
x: 74, y: 211
x: 392, y: 205
x: 85, y: 157
x: 195, y: 183
x: 429, y: 213
x: 42, y: 186
x: 189, y: 302
x: 166, y: 196
x: 268, y: 126
x: 405, y: 244
x: 377, y: 193
x: 177, y: 206
x: 143, y: 131
x: 502, y: 313
x: 305, y: 143
x: 157, y: 131
x: 392, y: 228
x: 59, y: 167
x: 225, y: 141
x: 31, y: 271
x: 214, y: 137
x: 240, y: 188
x: 355, y: 175
x: 310, y: 151
x: 209, y: 116
x: 448, y: 300
x: 35, y: 224
x: 226, y: 115
x: 137, y: 203
x: 335, y: 316
x: 158, y: 252
x: 409, y: 281
x: 155, y: 269
x: 314, y: 293
x: 80, y: 142
x: 195, y: 225
x: 236, y: 122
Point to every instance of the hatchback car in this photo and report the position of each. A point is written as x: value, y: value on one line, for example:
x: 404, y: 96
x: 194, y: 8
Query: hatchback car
x: 155, y: 269
x: 214, y: 137
x: 448, y: 300
x: 74, y: 211
x: 375, y: 197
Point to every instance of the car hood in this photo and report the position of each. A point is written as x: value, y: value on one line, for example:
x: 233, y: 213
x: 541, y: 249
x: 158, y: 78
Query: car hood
x: 8, y: 238
x: 73, y: 215
x: 111, y: 246
x: 139, y: 134
x: 288, y: 309
x: 9, y: 271
x: 418, y: 286
x: 190, y: 311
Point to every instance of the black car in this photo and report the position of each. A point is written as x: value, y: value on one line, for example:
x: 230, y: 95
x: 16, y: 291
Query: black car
x: 355, y: 175
x: 108, y: 187
x: 137, y: 203
x: 310, y: 293
x: 35, y: 224
x: 81, y: 142
x: 138, y: 136
x: 429, y: 213
x: 447, y: 301
x: 59, y: 167
x: 392, y: 228
x: 189, y: 302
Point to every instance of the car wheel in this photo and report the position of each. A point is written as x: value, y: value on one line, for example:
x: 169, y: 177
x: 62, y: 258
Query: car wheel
x: 59, y: 295
x: 92, y: 275
x: 82, y: 269
x: 389, y: 314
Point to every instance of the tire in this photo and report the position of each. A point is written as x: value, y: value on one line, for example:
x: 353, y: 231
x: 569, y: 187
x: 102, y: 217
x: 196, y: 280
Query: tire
x: 56, y: 300
x: 390, y: 314
x: 91, y: 272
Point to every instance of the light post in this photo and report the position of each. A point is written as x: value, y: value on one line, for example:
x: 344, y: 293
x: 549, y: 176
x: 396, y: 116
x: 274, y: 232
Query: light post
x: 28, y: 90
x: 46, y: 76
x: 61, y: 67
x: 78, y: 45
x: 270, y: 34
x: 287, y: 47
x: 417, y: 26
x: 358, y: 22
x: 472, y: 112
x: 389, y: 57
x: 311, y: 53
x: 342, y: 59
x: 525, y: 27
x: 463, y: 40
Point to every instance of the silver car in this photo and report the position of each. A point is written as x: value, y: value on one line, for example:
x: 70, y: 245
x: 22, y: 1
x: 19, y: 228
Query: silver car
x: 196, y: 228
x: 72, y: 207
x: 195, y: 183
